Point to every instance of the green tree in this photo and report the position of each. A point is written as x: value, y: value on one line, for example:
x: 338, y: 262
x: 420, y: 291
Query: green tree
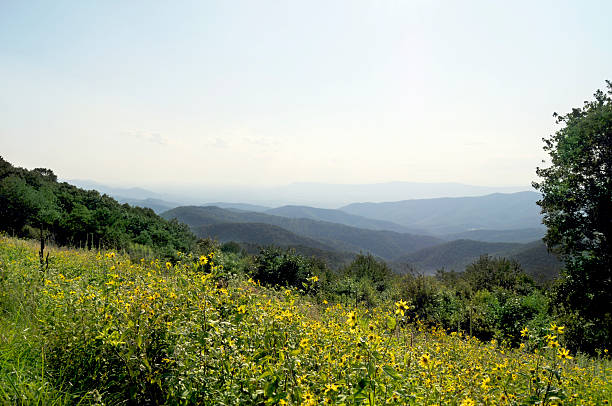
x: 17, y: 203
x: 368, y: 267
x: 497, y: 273
x: 34, y: 204
x: 577, y: 207
x: 276, y: 266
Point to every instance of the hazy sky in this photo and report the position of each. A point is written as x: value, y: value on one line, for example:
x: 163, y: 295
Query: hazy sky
x: 272, y: 92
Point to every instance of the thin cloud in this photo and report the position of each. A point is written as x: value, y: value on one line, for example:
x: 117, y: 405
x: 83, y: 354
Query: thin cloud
x: 153, y: 138
x: 261, y: 141
x: 218, y: 143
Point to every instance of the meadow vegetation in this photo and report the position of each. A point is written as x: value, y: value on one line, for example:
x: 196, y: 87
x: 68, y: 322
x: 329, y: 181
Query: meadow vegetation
x: 97, y: 327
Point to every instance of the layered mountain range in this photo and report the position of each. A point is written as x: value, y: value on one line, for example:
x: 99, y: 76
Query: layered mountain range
x: 420, y: 234
x: 423, y: 234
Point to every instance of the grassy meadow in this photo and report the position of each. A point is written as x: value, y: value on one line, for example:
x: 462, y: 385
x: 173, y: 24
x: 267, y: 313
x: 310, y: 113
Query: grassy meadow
x: 99, y: 328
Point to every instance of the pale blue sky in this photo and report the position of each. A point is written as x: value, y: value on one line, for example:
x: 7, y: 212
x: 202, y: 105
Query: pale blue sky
x: 271, y: 92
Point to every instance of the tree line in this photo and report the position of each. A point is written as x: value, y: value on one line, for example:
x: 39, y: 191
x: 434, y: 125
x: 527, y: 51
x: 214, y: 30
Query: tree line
x: 33, y: 204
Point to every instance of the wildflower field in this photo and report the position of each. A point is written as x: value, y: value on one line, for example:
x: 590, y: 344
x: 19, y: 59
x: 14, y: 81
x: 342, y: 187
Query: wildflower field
x: 98, y: 328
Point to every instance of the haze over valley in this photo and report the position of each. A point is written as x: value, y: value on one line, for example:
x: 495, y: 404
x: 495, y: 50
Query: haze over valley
x: 417, y: 234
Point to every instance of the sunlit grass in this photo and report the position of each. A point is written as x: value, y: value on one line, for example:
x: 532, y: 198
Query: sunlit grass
x: 97, y: 327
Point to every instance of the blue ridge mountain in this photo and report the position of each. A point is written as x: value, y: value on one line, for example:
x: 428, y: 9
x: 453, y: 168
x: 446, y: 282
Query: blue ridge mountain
x: 340, y: 217
x: 498, y: 211
x: 385, y: 244
x: 522, y: 235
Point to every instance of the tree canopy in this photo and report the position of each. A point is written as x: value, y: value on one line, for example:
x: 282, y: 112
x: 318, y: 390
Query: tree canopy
x: 577, y: 207
x: 34, y: 200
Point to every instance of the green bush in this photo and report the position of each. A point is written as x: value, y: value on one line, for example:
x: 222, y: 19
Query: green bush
x: 231, y: 247
x: 275, y: 266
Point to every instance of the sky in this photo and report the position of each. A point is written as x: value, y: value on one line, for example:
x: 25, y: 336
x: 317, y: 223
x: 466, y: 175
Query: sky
x: 265, y: 93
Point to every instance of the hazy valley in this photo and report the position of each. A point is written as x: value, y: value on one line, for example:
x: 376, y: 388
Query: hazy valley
x: 421, y: 235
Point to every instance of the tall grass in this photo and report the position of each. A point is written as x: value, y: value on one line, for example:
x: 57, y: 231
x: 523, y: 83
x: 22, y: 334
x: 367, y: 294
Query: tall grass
x: 101, y: 328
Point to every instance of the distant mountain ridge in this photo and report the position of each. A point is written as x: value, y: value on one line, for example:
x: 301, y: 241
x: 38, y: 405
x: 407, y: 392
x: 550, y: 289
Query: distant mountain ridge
x: 335, y: 195
x: 497, y: 224
x: 305, y: 194
x: 157, y: 205
x: 454, y: 255
x: 441, y: 216
x: 385, y: 244
x: 239, y: 206
x: 341, y: 217
x: 521, y: 235
x: 253, y: 236
x: 128, y: 193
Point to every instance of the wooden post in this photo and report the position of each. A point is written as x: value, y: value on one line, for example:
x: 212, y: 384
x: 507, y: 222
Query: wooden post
x: 42, y: 249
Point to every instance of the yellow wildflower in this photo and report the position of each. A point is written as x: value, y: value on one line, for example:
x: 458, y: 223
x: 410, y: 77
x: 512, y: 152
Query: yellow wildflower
x: 467, y: 402
x: 563, y: 354
x: 424, y: 360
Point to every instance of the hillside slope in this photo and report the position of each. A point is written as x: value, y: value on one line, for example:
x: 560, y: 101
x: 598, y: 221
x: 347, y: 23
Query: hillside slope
x: 181, y: 335
x: 340, y: 217
x: 157, y: 205
x: 521, y: 235
x: 385, y: 244
x: 239, y: 206
x: 456, y: 255
x: 256, y: 233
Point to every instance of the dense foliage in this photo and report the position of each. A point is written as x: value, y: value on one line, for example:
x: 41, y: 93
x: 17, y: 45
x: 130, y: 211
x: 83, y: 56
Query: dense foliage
x: 98, y: 328
x: 34, y: 204
x: 457, y: 254
x: 275, y: 266
x: 491, y: 299
x: 577, y: 208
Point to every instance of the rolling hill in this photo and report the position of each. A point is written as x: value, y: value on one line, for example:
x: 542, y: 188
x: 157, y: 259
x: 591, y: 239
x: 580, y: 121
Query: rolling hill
x: 157, y: 205
x: 385, y: 244
x: 256, y: 233
x: 239, y: 206
x: 456, y: 255
x: 498, y: 211
x: 522, y: 235
x: 136, y: 193
x: 536, y: 260
x: 340, y: 217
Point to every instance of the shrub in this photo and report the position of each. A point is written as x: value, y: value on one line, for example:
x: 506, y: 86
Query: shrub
x: 275, y: 266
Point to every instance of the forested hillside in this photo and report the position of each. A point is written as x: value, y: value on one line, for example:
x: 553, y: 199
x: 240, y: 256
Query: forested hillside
x: 385, y: 244
x: 341, y: 217
x: 157, y: 205
x: 522, y: 235
x: 34, y: 204
x: 456, y: 255
x: 256, y: 233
